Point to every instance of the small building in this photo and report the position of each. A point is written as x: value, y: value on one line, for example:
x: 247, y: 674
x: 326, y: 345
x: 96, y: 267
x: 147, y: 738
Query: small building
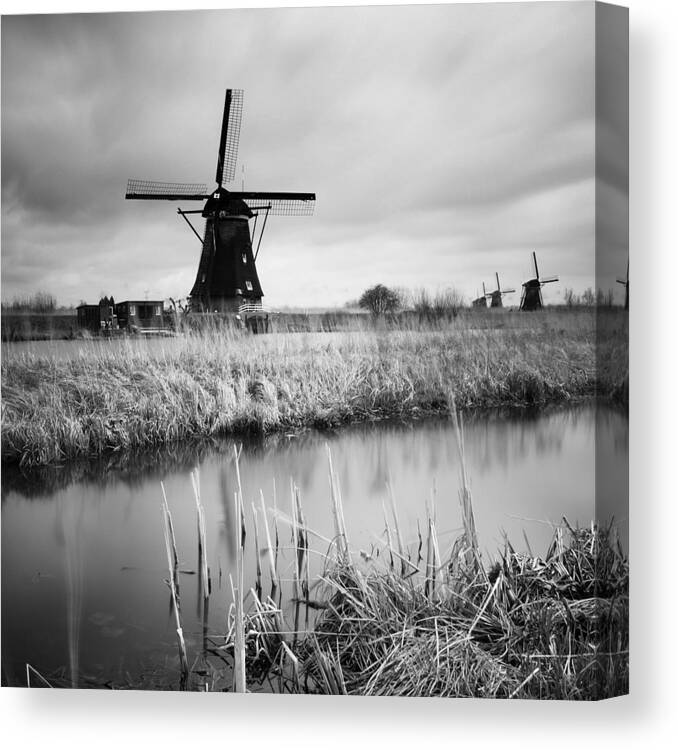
x: 131, y: 316
x: 142, y: 316
x: 88, y: 317
x: 98, y: 318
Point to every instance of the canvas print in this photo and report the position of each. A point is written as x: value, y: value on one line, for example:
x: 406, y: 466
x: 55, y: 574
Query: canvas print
x: 315, y: 351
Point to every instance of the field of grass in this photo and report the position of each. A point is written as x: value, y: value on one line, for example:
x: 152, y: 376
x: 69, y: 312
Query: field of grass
x: 129, y: 397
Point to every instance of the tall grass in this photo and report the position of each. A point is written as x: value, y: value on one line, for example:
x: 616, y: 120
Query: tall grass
x: 131, y: 396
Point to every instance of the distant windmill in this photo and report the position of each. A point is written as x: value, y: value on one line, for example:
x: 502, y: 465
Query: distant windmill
x: 481, y: 301
x: 625, y: 284
x: 532, y: 299
x: 498, y: 293
x: 227, y: 279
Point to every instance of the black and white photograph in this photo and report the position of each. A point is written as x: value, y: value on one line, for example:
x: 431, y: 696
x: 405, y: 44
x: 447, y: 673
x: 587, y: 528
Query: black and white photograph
x: 315, y: 364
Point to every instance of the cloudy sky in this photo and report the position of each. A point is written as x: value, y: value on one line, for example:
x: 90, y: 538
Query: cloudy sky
x: 444, y: 143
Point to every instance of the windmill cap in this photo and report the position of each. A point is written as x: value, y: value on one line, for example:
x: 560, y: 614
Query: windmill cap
x: 221, y: 200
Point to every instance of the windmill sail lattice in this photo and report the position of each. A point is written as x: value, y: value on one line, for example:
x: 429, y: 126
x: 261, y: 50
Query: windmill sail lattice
x: 163, y: 191
x: 230, y: 136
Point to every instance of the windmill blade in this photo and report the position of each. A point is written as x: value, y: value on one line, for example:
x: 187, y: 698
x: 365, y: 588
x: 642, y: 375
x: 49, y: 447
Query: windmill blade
x: 508, y: 291
x: 621, y: 281
x: 279, y: 204
x: 230, y: 136
x: 150, y: 190
x: 498, y: 285
x: 548, y: 279
x: 536, y: 267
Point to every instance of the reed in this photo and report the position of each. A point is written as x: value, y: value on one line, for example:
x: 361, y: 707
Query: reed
x: 525, y: 626
x: 31, y: 670
x: 204, y: 578
x: 172, y: 566
x: 126, y: 396
x: 340, y: 537
x: 257, y: 552
x: 270, y: 555
x: 239, y: 672
x: 512, y: 635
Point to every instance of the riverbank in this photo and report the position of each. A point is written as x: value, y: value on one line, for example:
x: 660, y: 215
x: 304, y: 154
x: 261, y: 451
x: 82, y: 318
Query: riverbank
x: 210, y: 384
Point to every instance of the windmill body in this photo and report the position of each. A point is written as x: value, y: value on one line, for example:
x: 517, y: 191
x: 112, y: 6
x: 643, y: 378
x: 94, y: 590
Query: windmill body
x: 497, y: 295
x: 531, y: 298
x: 227, y: 274
x: 227, y: 278
x: 481, y: 301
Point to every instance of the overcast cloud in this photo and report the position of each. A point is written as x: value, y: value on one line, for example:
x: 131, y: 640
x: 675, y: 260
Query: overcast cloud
x: 444, y: 143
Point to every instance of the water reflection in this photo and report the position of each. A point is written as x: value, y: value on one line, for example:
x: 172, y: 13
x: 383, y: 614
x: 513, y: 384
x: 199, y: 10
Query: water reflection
x: 83, y: 569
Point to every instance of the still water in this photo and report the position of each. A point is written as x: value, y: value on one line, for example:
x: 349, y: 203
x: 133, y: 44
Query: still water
x: 83, y: 555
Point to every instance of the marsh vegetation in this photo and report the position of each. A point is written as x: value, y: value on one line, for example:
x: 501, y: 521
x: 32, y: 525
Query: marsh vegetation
x: 217, y: 382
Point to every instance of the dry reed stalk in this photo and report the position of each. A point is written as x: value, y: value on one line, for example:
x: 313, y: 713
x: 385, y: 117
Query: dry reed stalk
x: 435, y: 554
x: 389, y: 540
x: 239, y: 674
x: 305, y: 551
x: 31, y: 669
x: 257, y: 551
x: 269, y: 550
x: 288, y: 653
x: 428, y: 564
x: 408, y: 567
x: 202, y: 536
x: 275, y: 520
x: 396, y: 523
x: 330, y: 671
x: 243, y: 530
x: 172, y: 568
x: 465, y: 496
x: 168, y: 516
x: 524, y: 682
x: 296, y: 571
x: 338, y: 513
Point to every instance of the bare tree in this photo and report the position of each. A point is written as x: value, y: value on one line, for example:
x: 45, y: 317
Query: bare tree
x: 588, y: 298
x: 443, y: 302
x: 380, y: 299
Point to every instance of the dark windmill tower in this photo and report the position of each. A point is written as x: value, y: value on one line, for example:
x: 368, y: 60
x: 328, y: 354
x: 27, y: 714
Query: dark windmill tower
x: 498, y: 293
x: 532, y: 299
x: 481, y: 301
x: 625, y: 284
x: 227, y: 279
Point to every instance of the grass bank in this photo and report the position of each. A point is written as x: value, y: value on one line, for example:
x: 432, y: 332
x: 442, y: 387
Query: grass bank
x: 129, y: 396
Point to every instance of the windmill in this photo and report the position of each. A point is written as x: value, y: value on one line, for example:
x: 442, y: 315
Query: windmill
x: 481, y: 301
x: 625, y: 284
x: 227, y: 279
x: 498, y: 293
x: 531, y: 299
